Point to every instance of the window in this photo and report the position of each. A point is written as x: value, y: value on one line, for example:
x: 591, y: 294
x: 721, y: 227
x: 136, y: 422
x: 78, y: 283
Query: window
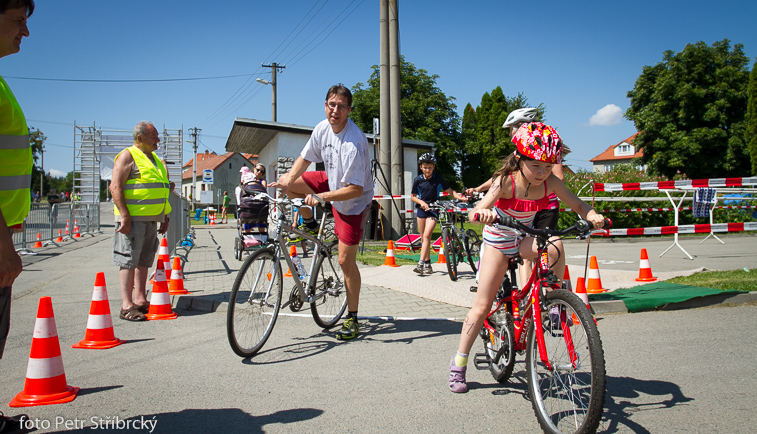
x: 624, y: 149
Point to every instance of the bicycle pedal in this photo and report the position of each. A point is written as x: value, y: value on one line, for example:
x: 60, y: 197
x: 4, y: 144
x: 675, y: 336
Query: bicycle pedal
x: 480, y: 361
x: 474, y: 289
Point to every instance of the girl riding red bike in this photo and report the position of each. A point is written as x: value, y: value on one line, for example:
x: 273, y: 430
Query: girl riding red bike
x: 520, y: 189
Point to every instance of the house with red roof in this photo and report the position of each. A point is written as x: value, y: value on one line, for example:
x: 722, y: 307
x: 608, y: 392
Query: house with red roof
x: 225, y: 173
x: 621, y: 153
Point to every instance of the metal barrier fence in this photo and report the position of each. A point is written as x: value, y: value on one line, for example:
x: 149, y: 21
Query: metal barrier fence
x: 179, y: 225
x: 46, y: 222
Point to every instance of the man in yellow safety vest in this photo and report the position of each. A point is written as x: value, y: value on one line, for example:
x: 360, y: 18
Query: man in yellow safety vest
x: 140, y: 190
x: 16, y: 158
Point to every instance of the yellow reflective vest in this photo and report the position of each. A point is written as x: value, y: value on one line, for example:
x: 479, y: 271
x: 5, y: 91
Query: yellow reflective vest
x: 147, y: 195
x: 15, y: 158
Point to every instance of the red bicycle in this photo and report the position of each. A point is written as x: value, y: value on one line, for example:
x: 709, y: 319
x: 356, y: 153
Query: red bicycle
x: 565, y: 363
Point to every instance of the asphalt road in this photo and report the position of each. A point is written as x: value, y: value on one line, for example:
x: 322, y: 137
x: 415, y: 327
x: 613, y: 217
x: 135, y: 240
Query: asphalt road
x: 677, y: 371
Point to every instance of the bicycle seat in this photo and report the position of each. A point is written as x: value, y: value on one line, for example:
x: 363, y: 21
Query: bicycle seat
x: 515, y: 261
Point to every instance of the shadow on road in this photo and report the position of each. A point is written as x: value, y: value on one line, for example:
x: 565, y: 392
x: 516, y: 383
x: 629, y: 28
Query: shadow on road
x: 199, y: 420
x: 626, y: 396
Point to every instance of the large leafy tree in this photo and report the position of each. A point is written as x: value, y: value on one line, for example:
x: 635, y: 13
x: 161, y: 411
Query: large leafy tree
x: 484, y: 140
x: 751, y: 119
x: 427, y: 113
x: 689, y: 110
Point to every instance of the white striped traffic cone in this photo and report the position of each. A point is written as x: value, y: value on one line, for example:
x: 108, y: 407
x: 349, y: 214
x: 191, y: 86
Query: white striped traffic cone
x: 45, y: 377
x: 160, y: 301
x: 645, y: 270
x: 99, y: 334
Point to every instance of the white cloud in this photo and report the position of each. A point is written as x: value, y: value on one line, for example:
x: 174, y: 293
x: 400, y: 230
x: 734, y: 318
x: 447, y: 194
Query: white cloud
x: 55, y: 173
x: 607, y: 115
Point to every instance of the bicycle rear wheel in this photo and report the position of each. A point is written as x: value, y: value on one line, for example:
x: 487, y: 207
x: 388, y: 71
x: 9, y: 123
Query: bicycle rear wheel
x: 329, y: 295
x: 254, y: 303
x: 472, y: 248
x: 450, y: 245
x: 500, y: 350
x: 570, y: 396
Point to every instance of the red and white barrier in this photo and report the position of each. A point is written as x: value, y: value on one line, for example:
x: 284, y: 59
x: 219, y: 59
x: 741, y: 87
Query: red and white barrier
x: 673, y: 185
x: 684, y: 229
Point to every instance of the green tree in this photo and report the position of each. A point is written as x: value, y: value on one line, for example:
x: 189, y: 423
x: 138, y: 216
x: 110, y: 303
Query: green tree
x: 751, y: 119
x: 484, y: 140
x: 37, y: 140
x: 427, y: 114
x: 689, y: 110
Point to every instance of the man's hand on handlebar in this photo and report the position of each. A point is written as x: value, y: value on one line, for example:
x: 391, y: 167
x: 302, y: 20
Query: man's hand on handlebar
x: 314, y: 200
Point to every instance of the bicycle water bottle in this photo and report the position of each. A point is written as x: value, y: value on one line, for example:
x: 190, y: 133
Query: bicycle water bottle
x: 299, y: 267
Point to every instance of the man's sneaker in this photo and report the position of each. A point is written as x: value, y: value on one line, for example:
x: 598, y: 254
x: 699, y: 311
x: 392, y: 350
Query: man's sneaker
x: 457, y: 382
x: 293, y: 238
x: 420, y: 269
x: 427, y: 269
x: 349, y: 330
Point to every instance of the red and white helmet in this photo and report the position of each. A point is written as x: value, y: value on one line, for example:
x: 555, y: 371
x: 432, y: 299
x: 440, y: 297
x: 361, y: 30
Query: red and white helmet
x: 540, y: 142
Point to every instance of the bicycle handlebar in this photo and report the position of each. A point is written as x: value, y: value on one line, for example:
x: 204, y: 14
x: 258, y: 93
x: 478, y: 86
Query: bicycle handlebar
x: 582, y: 227
x: 297, y: 201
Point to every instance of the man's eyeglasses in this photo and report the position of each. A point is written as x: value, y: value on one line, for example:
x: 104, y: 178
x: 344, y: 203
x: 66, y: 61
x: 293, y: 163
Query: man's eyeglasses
x: 333, y: 106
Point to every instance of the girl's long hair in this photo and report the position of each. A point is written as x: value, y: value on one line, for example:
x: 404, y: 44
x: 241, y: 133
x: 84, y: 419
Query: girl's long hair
x: 509, y: 165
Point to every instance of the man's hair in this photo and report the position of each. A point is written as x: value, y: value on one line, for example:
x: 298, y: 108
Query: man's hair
x: 13, y: 4
x: 141, y: 128
x: 340, y: 89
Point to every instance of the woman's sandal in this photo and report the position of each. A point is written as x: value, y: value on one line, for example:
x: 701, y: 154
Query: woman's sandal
x: 144, y: 308
x: 132, y: 315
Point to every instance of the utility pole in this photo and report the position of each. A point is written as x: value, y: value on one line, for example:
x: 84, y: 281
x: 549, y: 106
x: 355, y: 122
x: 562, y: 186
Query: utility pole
x: 41, y: 172
x: 194, y: 132
x: 274, y: 66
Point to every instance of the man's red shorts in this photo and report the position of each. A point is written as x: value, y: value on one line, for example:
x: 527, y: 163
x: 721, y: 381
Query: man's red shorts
x: 348, y: 228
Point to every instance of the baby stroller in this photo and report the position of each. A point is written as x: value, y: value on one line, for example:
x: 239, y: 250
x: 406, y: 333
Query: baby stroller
x: 252, y: 220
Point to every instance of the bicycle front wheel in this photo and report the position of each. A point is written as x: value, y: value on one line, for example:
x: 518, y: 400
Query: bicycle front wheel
x: 569, y: 396
x: 329, y: 294
x: 450, y: 245
x: 254, y: 302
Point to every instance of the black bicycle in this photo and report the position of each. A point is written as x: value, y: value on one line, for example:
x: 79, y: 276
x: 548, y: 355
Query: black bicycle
x: 458, y: 244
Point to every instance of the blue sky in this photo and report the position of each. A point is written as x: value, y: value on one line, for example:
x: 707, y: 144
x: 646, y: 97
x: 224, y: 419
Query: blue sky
x: 577, y: 58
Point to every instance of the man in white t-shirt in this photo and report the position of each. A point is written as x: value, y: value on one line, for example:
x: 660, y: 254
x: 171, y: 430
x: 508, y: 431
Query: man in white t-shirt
x: 343, y: 149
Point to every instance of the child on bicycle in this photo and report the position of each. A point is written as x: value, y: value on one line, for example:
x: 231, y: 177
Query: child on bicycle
x: 426, y: 188
x: 517, y: 191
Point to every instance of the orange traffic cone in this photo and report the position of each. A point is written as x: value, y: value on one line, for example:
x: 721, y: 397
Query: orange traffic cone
x: 212, y: 219
x: 99, y: 334
x: 38, y: 244
x: 160, y: 302
x: 76, y: 230
x: 165, y: 257
x: 60, y: 237
x: 45, y: 378
x: 442, y: 259
x: 645, y: 270
x: 292, y: 252
x: 566, y: 280
x: 581, y: 292
x: 389, y: 259
x: 176, y: 284
x: 66, y: 228
x: 595, y: 282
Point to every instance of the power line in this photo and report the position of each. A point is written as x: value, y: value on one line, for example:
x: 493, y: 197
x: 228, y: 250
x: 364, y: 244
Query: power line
x: 157, y: 80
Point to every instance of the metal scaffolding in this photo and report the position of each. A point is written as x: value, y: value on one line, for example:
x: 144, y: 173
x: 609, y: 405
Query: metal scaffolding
x: 96, y: 147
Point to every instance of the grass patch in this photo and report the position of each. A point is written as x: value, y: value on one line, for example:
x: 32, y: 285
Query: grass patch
x: 375, y: 254
x: 731, y: 279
